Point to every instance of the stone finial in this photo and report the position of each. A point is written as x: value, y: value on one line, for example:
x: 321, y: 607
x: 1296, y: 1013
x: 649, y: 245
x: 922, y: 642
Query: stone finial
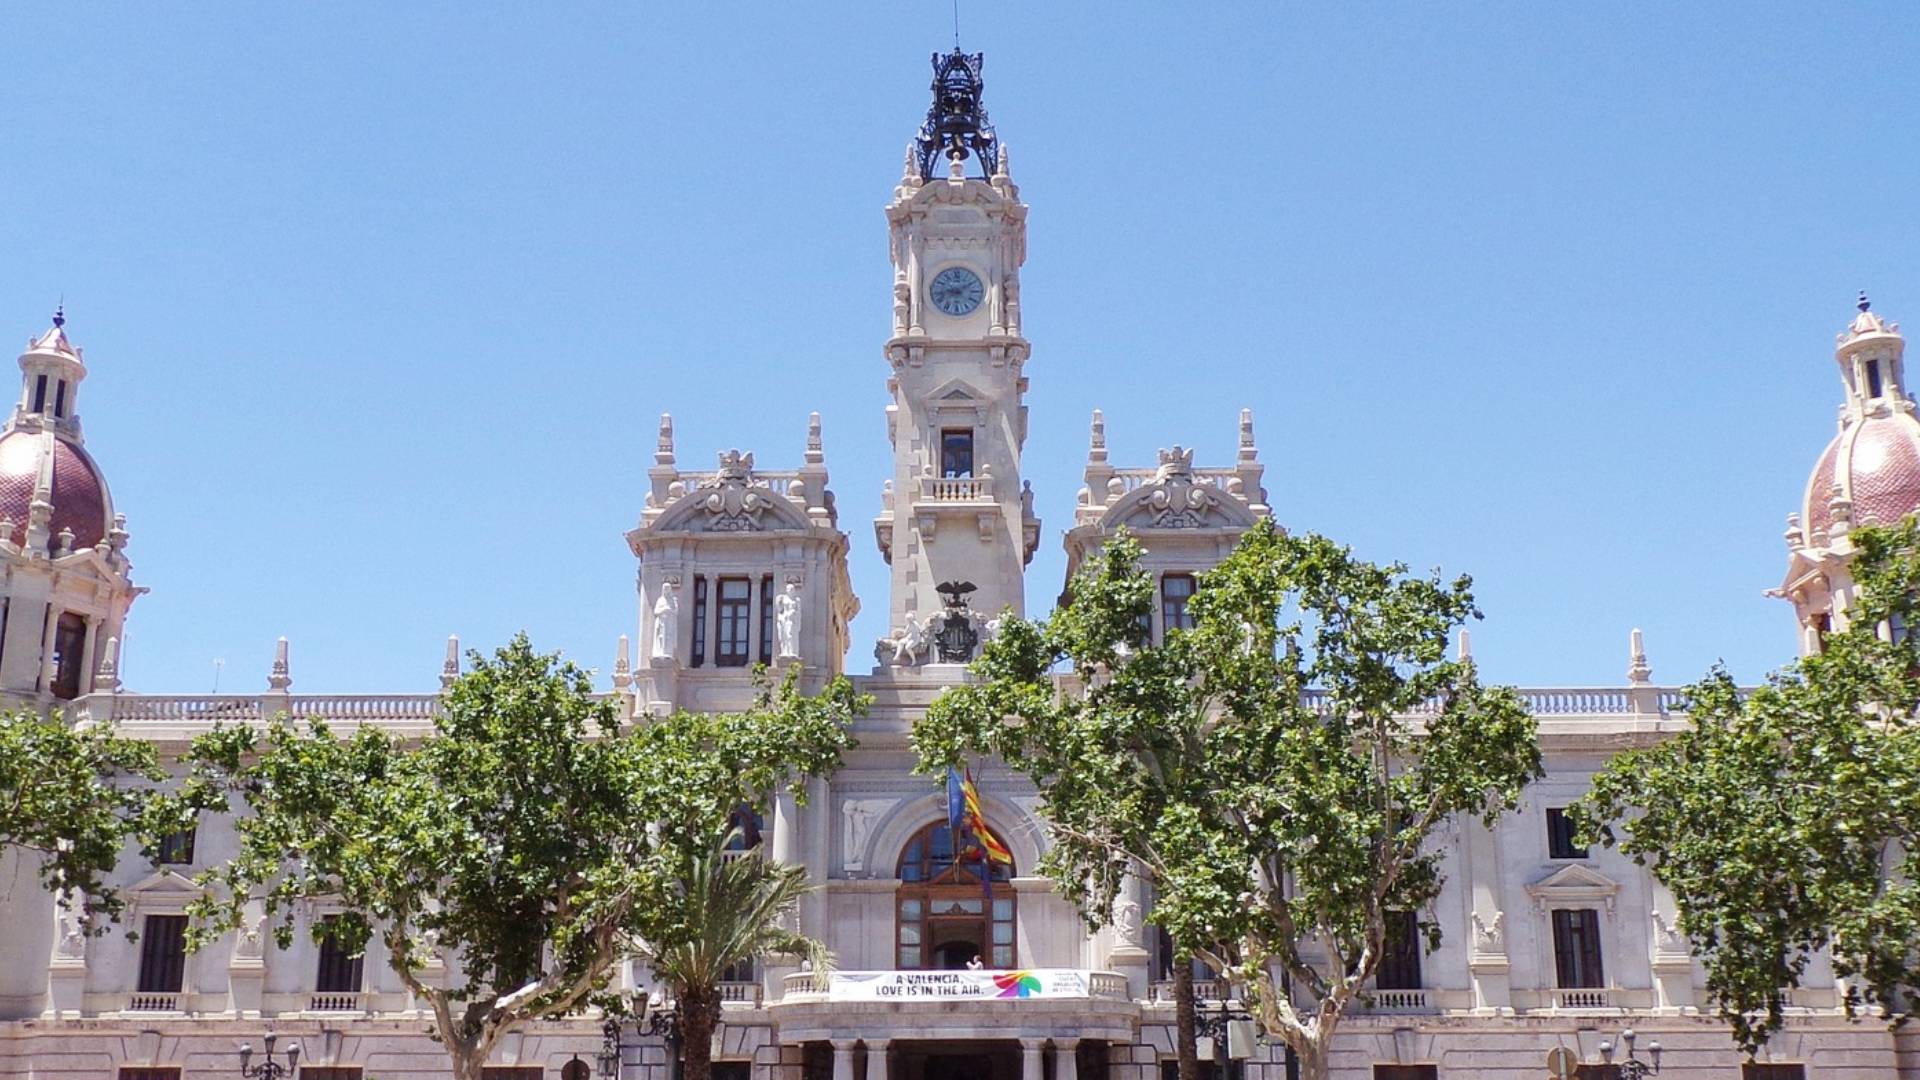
x: 1466, y: 644
x: 1003, y: 168
x: 1639, y: 673
x: 117, y: 536
x: 622, y: 666
x: 450, y: 667
x: 1247, y: 450
x: 108, y: 675
x: 280, y: 677
x: 65, y: 545
x: 911, y: 173
x: 1796, y: 535
x: 7, y: 525
x: 815, y: 453
x: 1841, y: 509
x: 957, y: 168
x: 1097, y: 438
x: 663, y: 450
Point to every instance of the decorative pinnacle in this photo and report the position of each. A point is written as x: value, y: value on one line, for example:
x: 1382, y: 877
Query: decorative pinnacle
x: 60, y: 314
x: 1863, y: 304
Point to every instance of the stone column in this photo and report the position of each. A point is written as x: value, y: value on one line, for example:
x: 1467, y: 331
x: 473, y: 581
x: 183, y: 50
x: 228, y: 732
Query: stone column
x: 877, y: 1059
x: 1066, y: 1062
x: 1032, y: 1065
x: 87, y: 659
x: 843, y: 1058
x: 47, y: 636
x: 1487, y: 961
x: 786, y: 848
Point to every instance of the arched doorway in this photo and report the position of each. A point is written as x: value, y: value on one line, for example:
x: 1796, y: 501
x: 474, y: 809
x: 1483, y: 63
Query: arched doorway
x: 946, y: 914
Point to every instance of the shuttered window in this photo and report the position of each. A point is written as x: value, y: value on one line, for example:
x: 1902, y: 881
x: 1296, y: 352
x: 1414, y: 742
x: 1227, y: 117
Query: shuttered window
x: 1406, y: 1072
x: 1576, y: 948
x: 151, y: 1072
x: 339, y: 972
x: 163, y: 954
x: 730, y: 636
x: 766, y: 619
x: 1400, y: 962
x: 1757, y: 1070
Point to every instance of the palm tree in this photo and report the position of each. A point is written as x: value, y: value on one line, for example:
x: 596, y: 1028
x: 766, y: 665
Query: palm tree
x: 734, y: 906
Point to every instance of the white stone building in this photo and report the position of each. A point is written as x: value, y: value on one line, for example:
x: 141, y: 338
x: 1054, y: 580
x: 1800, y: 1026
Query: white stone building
x: 1546, y: 945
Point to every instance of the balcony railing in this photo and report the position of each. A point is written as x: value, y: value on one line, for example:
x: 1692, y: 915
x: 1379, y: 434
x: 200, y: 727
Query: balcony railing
x: 1585, y: 998
x: 1399, y: 1001
x: 957, y: 488
x: 335, y: 1003
x: 740, y: 993
x: 1203, y: 990
x: 154, y: 1003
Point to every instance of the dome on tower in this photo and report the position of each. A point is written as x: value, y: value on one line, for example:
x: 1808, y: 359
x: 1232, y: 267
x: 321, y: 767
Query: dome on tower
x: 78, y: 495
x: 1876, y: 466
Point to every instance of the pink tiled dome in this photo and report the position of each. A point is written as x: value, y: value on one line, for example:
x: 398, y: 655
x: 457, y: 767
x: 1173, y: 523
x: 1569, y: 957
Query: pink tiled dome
x: 1876, y: 462
x: 79, y: 497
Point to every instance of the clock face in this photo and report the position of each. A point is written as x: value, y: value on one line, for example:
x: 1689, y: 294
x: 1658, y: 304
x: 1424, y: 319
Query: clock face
x: 956, y: 291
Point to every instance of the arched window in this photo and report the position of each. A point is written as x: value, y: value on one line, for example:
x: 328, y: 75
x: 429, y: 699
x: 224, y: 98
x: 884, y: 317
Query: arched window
x: 947, y: 915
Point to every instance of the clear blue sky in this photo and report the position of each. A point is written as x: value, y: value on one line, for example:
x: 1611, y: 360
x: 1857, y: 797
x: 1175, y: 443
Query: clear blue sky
x: 381, y: 302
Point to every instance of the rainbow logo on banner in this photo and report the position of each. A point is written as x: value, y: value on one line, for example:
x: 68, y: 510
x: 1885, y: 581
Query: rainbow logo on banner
x: 1016, y: 984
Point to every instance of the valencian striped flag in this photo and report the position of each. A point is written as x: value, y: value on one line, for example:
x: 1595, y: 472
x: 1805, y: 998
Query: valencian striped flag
x: 964, y: 816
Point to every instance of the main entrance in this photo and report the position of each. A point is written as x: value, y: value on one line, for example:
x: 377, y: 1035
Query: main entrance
x: 948, y: 916
x: 956, y: 1060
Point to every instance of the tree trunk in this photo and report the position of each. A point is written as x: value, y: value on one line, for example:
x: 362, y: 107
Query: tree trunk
x: 1313, y: 1057
x: 699, y: 1015
x: 468, y: 1060
x: 1185, y: 1040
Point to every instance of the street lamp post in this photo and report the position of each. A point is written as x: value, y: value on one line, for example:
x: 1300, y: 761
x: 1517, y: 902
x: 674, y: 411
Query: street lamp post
x: 654, y: 1021
x: 1632, y: 1068
x: 1220, y: 1029
x: 269, y: 1069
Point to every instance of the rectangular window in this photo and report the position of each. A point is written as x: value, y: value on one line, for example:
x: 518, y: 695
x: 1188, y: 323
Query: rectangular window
x: 697, y: 655
x: 766, y: 618
x: 1560, y: 842
x: 177, y: 848
x: 330, y: 1072
x: 69, y: 642
x: 1576, y: 948
x: 1873, y: 378
x: 163, y: 954
x: 150, y: 1072
x: 1758, y: 1070
x: 511, y: 1072
x: 730, y: 634
x: 1400, y: 962
x: 1175, y: 591
x: 60, y: 398
x: 339, y: 973
x: 1170, y: 1070
x: 39, y: 395
x: 1596, y: 1072
x: 956, y: 452
x: 1406, y: 1072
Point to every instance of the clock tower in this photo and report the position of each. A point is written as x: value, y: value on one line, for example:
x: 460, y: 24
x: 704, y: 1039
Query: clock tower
x: 956, y: 522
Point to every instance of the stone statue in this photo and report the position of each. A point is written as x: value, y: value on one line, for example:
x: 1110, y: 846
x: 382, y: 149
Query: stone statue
x: 786, y: 621
x: 858, y: 815
x: 909, y: 643
x: 666, y: 621
x: 1489, y: 935
x: 73, y: 934
x: 1126, y: 921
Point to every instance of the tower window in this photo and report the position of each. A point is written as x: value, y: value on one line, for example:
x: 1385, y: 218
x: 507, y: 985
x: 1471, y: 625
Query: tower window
x: 956, y: 452
x: 40, y: 394
x: 1576, y: 948
x: 1873, y: 378
x: 69, y: 642
x: 730, y: 640
x: 1560, y: 842
x: 60, y: 398
x: 697, y: 655
x: 1175, y: 591
x: 766, y: 618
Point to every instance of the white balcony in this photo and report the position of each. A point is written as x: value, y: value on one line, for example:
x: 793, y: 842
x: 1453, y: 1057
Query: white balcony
x: 335, y: 1003
x: 740, y: 993
x: 1391, y: 1002
x: 154, y: 1003
x: 1580, y: 999
x: 957, y: 488
x: 953, y: 987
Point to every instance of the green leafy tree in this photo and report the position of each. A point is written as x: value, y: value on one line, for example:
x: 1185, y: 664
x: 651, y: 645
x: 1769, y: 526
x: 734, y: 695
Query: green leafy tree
x: 1274, y: 773
x: 1786, y: 822
x: 72, y: 797
x: 526, y: 842
x: 729, y: 906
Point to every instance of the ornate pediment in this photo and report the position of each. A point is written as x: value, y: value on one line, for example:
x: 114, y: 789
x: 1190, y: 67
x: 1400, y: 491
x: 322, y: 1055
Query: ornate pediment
x: 732, y: 500
x: 1574, y: 885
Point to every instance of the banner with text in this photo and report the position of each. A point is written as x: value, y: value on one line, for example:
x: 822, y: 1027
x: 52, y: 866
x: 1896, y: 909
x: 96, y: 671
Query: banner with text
x: 936, y: 985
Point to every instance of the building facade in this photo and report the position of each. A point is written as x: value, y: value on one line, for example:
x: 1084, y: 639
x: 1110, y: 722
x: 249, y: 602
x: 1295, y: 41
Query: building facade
x: 1546, y: 945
